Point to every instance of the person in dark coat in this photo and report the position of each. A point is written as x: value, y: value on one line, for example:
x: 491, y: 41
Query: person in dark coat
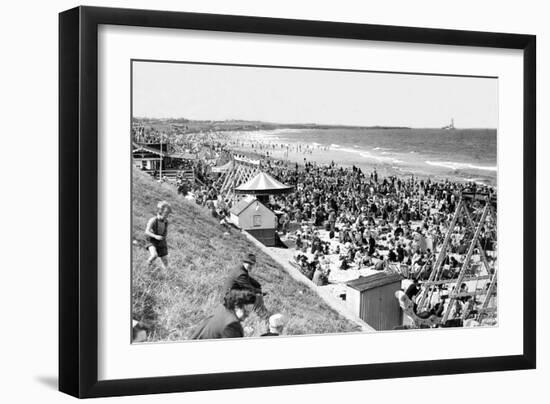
x: 413, y: 289
x: 372, y: 245
x: 240, y: 279
x: 226, y: 320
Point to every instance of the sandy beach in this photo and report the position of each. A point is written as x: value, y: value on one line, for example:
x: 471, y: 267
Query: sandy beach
x: 387, y: 162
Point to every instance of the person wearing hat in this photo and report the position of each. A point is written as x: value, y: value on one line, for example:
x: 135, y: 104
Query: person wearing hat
x: 240, y: 279
x: 276, y: 325
x: 226, y: 320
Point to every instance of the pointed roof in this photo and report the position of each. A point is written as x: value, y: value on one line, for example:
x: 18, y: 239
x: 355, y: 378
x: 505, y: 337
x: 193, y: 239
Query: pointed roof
x: 263, y: 184
x: 242, y: 205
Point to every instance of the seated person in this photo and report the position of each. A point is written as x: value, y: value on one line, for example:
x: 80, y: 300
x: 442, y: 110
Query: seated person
x: 344, y: 264
x: 382, y: 264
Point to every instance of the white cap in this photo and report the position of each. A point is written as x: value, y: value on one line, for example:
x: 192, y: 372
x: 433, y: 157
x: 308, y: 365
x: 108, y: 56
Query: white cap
x: 277, y: 320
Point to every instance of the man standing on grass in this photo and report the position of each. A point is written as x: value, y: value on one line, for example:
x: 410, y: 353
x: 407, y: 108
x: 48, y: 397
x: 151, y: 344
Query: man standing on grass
x: 156, y: 232
x: 240, y: 279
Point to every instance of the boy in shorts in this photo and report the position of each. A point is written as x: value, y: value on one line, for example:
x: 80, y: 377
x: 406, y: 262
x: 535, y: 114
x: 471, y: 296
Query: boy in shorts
x: 156, y: 231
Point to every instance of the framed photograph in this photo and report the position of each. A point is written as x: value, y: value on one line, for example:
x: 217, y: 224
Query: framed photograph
x: 251, y: 202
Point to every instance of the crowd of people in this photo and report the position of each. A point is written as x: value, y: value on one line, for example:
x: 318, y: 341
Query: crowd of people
x: 375, y: 221
x: 405, y: 218
x: 363, y: 219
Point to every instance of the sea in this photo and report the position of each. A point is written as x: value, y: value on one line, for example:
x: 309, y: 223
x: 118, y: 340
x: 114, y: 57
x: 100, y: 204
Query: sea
x: 462, y: 154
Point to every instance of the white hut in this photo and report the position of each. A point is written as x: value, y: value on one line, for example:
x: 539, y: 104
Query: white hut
x: 257, y: 219
x: 252, y: 214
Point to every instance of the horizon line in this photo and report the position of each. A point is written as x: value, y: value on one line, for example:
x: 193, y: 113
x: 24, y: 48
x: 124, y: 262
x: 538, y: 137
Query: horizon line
x: 310, y: 123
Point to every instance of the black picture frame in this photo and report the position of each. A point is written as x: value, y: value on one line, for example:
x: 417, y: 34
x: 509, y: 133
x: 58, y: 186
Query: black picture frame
x: 78, y: 200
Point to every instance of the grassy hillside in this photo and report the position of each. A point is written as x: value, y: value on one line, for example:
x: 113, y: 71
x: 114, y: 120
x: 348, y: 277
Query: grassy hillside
x: 200, y: 256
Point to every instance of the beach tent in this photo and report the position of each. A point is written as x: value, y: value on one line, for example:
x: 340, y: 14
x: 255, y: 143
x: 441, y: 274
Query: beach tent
x: 263, y: 184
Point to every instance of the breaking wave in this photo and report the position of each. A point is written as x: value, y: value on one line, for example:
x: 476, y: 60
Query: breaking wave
x: 460, y: 166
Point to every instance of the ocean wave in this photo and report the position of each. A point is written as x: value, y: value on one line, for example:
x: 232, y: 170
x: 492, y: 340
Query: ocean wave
x: 271, y: 133
x: 380, y: 158
x: 348, y: 150
x: 453, y: 165
x: 366, y: 154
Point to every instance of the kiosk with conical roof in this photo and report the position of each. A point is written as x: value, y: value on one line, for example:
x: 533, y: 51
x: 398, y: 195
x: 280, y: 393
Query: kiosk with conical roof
x: 252, y: 212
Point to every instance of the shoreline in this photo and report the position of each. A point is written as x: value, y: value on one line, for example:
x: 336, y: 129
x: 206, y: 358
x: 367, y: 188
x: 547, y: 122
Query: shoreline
x: 345, y: 157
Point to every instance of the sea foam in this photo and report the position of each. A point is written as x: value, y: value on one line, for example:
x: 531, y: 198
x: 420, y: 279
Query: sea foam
x: 453, y: 165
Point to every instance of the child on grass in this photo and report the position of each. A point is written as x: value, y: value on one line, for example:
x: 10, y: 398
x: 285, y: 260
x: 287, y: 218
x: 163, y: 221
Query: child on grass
x: 156, y: 231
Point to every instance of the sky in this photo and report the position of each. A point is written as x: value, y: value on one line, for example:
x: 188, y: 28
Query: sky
x: 285, y: 95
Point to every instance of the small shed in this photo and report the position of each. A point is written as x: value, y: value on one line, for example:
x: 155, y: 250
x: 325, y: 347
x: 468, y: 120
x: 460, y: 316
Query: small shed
x: 372, y: 298
x: 148, y: 156
x: 257, y: 219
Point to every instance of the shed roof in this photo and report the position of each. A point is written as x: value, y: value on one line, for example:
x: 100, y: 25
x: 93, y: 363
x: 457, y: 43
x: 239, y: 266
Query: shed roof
x: 143, y: 148
x: 373, y: 281
x: 181, y: 156
x: 241, y: 206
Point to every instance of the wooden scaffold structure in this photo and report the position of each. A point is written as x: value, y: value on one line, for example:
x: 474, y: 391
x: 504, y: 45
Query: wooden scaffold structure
x: 478, y: 213
x: 238, y: 171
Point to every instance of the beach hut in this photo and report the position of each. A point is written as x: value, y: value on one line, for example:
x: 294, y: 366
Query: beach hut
x: 257, y: 219
x: 372, y: 298
x: 152, y: 157
x: 252, y: 213
x: 148, y: 157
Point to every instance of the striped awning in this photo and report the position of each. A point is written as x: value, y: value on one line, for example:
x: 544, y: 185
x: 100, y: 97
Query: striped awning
x: 222, y: 169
